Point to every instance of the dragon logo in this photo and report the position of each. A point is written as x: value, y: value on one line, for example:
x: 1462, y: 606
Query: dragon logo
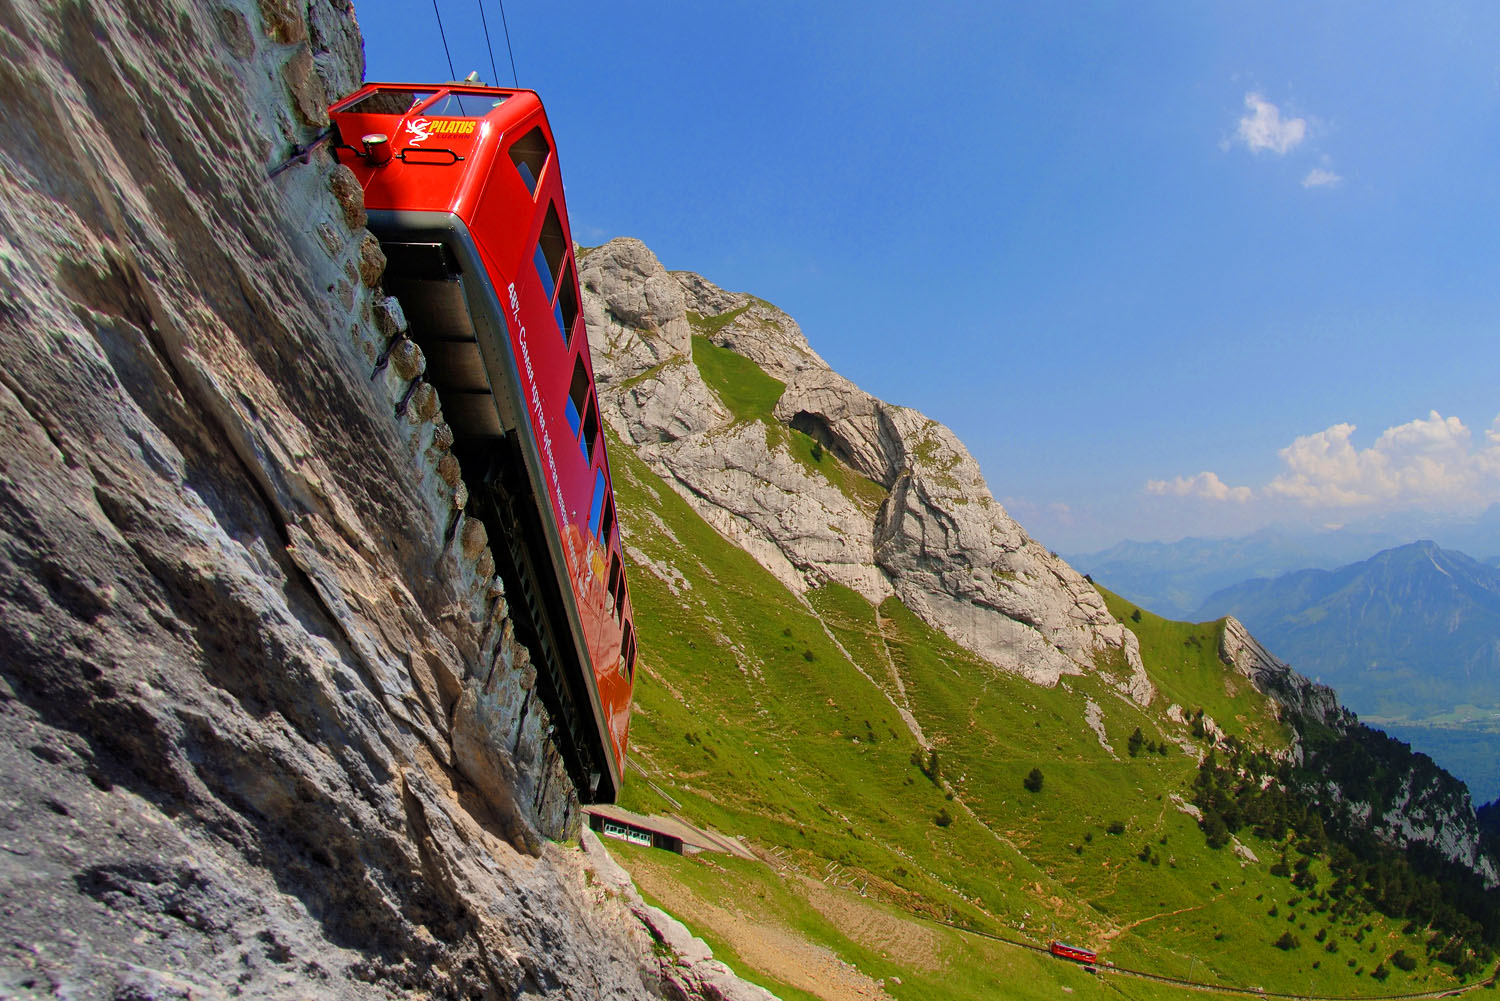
x: 419, y: 133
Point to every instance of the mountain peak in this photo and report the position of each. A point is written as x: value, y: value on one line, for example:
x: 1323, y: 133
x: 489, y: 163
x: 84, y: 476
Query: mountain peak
x: 721, y: 394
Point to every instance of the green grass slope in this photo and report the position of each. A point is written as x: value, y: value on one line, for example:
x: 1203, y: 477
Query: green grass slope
x: 881, y: 774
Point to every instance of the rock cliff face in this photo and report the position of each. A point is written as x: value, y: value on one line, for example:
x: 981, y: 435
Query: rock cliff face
x: 923, y: 526
x: 1362, y: 779
x: 260, y: 699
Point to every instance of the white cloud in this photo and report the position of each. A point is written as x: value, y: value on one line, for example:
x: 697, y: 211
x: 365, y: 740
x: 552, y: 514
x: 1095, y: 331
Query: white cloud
x: 1320, y: 177
x: 1205, y: 484
x: 1433, y: 461
x: 1264, y: 130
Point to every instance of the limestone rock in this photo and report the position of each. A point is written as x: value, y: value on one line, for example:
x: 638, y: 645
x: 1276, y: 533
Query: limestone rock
x: 670, y: 402
x: 758, y: 330
x: 265, y: 729
x: 795, y: 522
x: 634, y: 310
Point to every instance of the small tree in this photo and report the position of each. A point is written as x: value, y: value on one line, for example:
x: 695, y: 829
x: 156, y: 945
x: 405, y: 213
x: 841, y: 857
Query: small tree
x: 1215, y: 831
x: 1033, y: 781
x: 943, y: 818
x: 1136, y: 742
x: 928, y: 766
x: 1286, y: 942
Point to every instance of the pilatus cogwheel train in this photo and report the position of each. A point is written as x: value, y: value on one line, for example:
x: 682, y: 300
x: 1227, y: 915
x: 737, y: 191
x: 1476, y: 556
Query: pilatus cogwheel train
x: 462, y: 187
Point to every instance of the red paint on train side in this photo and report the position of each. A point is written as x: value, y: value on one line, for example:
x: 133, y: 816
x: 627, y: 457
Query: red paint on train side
x: 1073, y: 952
x: 459, y: 162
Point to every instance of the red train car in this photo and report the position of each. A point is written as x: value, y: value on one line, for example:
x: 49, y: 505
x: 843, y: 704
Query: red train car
x: 1073, y: 952
x: 463, y: 190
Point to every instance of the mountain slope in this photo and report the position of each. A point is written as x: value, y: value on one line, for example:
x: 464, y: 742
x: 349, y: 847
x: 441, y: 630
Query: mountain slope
x: 720, y: 394
x: 1175, y: 578
x: 806, y: 690
x: 1410, y: 633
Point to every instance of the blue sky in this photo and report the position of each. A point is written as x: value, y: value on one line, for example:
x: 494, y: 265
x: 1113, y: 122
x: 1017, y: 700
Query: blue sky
x: 1166, y: 268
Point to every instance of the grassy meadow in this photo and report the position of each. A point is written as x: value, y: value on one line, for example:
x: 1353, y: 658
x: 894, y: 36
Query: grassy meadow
x: 792, y: 721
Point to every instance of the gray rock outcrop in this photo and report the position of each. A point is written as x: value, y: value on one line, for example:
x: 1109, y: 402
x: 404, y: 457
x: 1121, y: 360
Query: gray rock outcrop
x: 261, y: 703
x: 906, y: 512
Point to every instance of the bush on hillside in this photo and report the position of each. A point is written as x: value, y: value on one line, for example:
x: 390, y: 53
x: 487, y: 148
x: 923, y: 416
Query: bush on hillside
x: 1286, y: 942
x: 1215, y: 831
x: 928, y: 766
x: 1033, y: 780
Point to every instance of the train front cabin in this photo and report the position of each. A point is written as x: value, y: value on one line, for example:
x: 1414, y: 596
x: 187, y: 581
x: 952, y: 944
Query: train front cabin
x: 1073, y: 952
x: 462, y: 188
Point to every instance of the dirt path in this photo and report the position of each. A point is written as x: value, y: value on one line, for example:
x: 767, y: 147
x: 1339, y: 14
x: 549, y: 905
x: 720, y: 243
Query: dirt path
x: 764, y: 947
x: 906, y: 942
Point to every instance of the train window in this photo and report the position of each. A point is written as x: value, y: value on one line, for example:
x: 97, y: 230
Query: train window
x: 529, y: 154
x: 549, y: 286
x: 389, y: 102
x: 465, y: 105
x: 566, y: 312
x: 590, y: 436
x: 607, y: 526
x: 615, y: 576
x: 582, y: 411
x: 597, y: 512
x: 627, y: 652
x: 578, y: 396
x: 552, y: 249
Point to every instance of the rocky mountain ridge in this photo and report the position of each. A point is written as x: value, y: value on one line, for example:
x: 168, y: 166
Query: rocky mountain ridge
x: 1410, y: 632
x: 929, y: 532
x: 1416, y: 803
x: 262, y: 702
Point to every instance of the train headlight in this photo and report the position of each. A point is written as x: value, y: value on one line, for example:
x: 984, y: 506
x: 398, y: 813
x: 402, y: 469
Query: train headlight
x: 377, y: 148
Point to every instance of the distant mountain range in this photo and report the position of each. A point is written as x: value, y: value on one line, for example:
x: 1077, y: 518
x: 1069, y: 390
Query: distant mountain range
x: 1411, y: 634
x: 1410, y: 639
x: 1176, y: 578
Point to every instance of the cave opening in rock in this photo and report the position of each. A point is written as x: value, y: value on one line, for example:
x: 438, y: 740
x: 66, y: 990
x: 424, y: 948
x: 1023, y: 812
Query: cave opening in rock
x: 816, y: 428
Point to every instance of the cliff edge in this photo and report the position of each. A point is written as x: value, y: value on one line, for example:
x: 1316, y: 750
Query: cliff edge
x: 261, y: 700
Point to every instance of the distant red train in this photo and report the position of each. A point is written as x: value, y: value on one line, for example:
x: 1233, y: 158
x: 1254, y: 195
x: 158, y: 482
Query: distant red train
x: 463, y: 190
x: 1074, y: 953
